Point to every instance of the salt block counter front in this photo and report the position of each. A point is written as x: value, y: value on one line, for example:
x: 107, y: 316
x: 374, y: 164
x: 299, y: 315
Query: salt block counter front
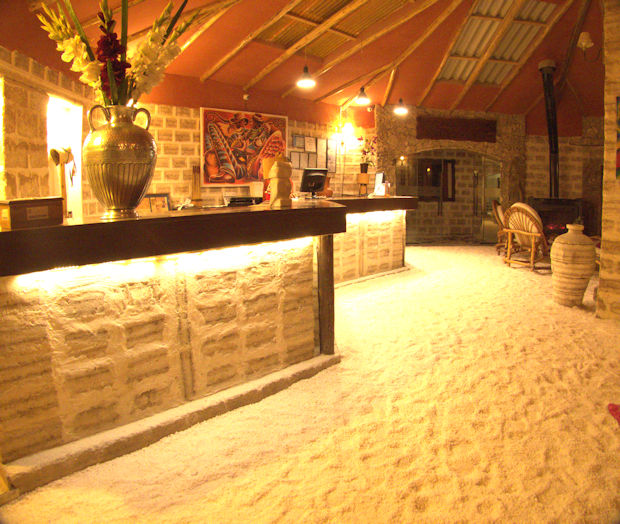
x: 117, y: 337
x: 375, y: 238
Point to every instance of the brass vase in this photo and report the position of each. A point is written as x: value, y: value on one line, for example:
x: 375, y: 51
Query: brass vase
x: 119, y: 160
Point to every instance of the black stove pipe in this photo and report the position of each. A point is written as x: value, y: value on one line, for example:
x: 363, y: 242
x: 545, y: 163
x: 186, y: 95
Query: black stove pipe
x: 547, y: 67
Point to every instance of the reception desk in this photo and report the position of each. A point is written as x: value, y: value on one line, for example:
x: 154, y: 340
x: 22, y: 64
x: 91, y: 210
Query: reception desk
x: 109, y: 323
x: 104, y: 324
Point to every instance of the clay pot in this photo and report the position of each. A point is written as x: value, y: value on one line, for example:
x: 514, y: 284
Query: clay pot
x: 573, y: 259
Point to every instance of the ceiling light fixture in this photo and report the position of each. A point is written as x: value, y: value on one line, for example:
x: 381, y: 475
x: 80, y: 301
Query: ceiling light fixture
x: 400, y: 109
x: 305, y: 80
x: 584, y: 43
x: 362, y: 98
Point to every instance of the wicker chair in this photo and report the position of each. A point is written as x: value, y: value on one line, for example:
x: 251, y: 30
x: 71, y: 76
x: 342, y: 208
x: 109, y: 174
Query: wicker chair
x: 524, y: 229
x: 502, y: 236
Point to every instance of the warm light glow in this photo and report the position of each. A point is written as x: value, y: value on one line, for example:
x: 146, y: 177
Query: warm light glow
x: 362, y: 98
x: 64, y: 130
x: 305, y: 80
x: 375, y: 217
x: 402, y: 157
x: 585, y: 41
x: 401, y: 108
x: 2, y: 179
x: 117, y: 273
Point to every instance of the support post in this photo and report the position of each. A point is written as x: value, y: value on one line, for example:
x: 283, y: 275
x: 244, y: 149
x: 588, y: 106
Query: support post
x: 325, y: 270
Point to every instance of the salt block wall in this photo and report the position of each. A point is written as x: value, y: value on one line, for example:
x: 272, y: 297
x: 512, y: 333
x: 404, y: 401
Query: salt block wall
x: 90, y: 348
x: 608, y: 297
x: 373, y: 243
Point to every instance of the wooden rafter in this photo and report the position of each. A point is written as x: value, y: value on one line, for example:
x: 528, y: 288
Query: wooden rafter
x: 206, y: 11
x: 378, y: 73
x: 528, y: 53
x: 500, y: 32
x: 233, y: 52
x: 310, y: 37
x: 447, y: 55
x: 307, y: 21
x: 357, y: 80
x: 206, y: 25
x: 568, y: 58
x: 421, y: 6
x: 390, y: 85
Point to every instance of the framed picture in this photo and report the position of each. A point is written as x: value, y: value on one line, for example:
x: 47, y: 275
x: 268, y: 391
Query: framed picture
x: 295, y: 159
x: 303, y: 161
x: 298, y: 142
x: 234, y: 143
x: 311, y: 159
x: 321, y: 153
x: 332, y: 152
x: 310, y: 144
x: 154, y: 203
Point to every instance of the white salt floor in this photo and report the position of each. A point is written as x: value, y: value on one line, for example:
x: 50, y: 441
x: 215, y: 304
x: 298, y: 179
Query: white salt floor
x: 464, y: 395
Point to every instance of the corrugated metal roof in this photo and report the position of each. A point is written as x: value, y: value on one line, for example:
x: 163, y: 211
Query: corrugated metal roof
x: 493, y: 7
x: 368, y: 14
x: 475, y: 37
x: 494, y: 73
x: 516, y: 41
x: 325, y: 44
x: 536, y: 11
x: 457, y: 69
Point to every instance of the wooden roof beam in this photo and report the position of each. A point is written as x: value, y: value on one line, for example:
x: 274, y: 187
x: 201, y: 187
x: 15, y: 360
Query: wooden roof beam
x: 446, y: 56
x: 390, y: 85
x: 421, y: 6
x: 379, y: 72
x: 310, y: 37
x: 490, y: 48
x: 304, y: 20
x: 246, y: 41
x: 560, y: 10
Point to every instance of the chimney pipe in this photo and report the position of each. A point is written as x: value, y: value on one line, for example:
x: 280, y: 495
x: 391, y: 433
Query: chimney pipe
x: 547, y: 67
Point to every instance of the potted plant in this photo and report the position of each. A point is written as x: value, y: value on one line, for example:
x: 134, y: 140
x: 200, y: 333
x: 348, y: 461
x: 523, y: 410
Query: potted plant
x: 368, y: 146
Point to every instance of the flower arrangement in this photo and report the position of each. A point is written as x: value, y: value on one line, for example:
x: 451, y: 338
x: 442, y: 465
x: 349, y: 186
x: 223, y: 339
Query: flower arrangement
x: 118, y: 77
x: 368, y: 151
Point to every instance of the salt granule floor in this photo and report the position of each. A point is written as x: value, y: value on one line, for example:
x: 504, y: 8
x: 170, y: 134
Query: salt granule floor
x: 465, y: 394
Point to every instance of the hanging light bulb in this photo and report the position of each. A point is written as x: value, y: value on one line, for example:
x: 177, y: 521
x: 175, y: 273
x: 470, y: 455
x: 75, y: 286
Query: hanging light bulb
x: 305, y: 80
x: 400, y: 109
x: 362, y: 98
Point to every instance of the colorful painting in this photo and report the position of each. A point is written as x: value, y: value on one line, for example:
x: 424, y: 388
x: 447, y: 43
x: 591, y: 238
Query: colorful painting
x: 618, y: 137
x: 234, y: 143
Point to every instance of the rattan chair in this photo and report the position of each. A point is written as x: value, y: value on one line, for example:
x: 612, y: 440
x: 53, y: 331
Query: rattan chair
x: 502, y: 237
x: 524, y: 229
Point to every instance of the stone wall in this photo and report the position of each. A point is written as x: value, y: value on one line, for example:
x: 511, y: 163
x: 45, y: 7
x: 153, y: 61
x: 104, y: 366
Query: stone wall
x: 608, y: 303
x: 90, y: 348
x: 373, y: 243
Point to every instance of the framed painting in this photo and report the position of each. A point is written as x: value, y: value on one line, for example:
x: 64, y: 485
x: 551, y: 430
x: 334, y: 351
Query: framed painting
x: 310, y: 144
x: 234, y: 143
x: 298, y: 141
x: 154, y: 203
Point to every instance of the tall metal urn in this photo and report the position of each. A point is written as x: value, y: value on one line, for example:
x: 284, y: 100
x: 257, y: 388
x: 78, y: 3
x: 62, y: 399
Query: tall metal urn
x: 119, y: 160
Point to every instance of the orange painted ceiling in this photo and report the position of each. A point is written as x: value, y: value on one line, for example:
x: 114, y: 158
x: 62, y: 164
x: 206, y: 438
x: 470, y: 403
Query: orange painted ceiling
x: 478, y: 55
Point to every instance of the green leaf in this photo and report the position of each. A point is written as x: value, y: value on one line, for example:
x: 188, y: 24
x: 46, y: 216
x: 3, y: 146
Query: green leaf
x: 79, y: 29
x: 124, y: 17
x: 174, y: 20
x: 113, y: 87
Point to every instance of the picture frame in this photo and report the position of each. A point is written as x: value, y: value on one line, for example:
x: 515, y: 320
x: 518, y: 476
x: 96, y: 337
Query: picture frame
x: 332, y: 155
x: 295, y: 159
x: 303, y: 161
x: 310, y: 144
x: 312, y: 160
x: 154, y: 203
x: 298, y: 142
x: 233, y: 144
x: 321, y: 153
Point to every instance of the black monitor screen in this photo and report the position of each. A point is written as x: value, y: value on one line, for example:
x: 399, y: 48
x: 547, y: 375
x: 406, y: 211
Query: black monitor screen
x: 313, y: 180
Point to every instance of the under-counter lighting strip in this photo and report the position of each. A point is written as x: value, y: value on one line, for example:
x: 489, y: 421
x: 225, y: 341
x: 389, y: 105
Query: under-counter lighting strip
x: 230, y: 258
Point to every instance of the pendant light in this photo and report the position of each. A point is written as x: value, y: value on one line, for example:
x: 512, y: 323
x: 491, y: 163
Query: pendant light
x: 362, y: 98
x: 305, y: 80
x: 400, y: 109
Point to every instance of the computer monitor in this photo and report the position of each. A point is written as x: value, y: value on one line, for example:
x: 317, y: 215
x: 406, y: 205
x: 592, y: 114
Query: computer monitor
x: 313, y: 181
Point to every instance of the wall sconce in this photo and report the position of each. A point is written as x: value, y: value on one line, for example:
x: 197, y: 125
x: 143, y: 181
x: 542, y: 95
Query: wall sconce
x: 305, y: 80
x: 584, y: 43
x: 362, y: 98
x: 400, y: 109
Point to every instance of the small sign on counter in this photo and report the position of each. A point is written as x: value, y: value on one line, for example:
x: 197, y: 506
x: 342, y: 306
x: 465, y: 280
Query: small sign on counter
x: 23, y: 213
